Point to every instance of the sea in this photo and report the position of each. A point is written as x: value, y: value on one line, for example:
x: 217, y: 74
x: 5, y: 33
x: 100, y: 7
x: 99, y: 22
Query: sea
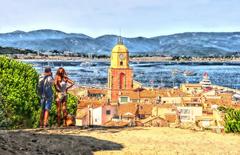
x: 150, y: 74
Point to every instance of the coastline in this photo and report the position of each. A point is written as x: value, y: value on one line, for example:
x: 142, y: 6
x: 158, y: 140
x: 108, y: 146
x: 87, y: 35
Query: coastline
x: 132, y: 59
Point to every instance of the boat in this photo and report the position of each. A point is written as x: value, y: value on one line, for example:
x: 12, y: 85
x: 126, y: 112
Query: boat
x: 189, y: 73
x: 237, y: 96
x: 85, y: 64
x: 88, y: 64
x: 206, y: 83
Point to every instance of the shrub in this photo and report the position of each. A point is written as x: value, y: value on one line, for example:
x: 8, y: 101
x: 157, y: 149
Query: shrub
x: 232, y: 119
x: 19, y: 102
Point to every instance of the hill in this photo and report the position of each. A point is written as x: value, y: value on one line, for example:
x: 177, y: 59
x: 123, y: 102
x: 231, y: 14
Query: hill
x: 188, y: 44
x: 10, y: 50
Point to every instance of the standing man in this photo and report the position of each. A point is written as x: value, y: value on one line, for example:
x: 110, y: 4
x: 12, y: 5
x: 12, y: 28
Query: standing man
x: 45, y: 90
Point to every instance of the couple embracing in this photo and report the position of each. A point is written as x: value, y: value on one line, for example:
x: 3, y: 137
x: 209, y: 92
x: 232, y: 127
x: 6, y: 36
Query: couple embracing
x: 45, y: 88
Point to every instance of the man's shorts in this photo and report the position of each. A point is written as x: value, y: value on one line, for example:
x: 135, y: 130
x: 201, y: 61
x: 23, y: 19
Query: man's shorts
x: 46, y: 104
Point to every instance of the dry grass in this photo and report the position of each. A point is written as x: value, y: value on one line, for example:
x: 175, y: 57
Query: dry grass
x: 147, y: 141
x: 171, y: 141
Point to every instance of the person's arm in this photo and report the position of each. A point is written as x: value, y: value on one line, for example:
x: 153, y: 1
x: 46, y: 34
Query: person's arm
x: 71, y: 82
x: 56, y: 85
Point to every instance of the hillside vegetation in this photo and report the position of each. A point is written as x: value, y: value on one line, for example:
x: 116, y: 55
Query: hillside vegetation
x: 10, y: 50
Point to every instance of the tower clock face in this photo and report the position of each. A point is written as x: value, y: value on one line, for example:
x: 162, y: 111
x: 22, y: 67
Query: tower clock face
x: 121, y: 56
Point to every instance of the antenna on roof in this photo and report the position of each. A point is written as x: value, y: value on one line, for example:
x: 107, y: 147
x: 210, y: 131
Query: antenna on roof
x: 120, y: 41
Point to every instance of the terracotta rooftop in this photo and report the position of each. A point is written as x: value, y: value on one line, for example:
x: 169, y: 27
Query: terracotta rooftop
x: 131, y: 94
x: 145, y: 109
x: 116, y: 123
x: 132, y: 108
x: 91, y: 103
x: 97, y: 91
x: 138, y: 94
x: 127, y: 108
x: 148, y: 94
x: 81, y: 113
x: 171, y: 117
x: 165, y: 106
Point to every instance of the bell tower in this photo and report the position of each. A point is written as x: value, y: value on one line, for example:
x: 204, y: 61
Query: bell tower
x: 120, y: 75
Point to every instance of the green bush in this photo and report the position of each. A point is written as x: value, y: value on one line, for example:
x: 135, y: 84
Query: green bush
x: 19, y: 102
x: 232, y: 119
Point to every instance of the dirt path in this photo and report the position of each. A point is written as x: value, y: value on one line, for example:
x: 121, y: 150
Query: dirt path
x: 129, y: 141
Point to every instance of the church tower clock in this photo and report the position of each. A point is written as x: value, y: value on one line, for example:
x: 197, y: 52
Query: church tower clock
x: 120, y: 75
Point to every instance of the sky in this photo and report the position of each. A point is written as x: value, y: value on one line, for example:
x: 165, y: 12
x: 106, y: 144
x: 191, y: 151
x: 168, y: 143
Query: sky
x: 130, y: 18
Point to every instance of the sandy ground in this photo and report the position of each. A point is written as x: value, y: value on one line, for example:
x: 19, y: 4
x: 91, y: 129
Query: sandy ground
x: 128, y: 141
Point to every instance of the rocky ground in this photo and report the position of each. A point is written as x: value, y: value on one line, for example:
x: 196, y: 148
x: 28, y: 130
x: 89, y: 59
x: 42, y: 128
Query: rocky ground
x: 131, y: 141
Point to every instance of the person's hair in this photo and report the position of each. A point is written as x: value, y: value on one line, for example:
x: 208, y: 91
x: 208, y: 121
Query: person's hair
x: 47, y: 69
x: 61, y: 73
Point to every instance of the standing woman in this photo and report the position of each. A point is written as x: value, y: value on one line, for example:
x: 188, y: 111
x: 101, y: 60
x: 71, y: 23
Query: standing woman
x: 62, y: 84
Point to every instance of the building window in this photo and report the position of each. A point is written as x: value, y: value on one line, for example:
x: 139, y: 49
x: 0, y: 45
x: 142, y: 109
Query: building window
x: 135, y: 100
x: 195, y: 100
x: 186, y: 118
x: 121, y: 63
x: 108, y: 112
x: 185, y: 111
x: 124, y: 99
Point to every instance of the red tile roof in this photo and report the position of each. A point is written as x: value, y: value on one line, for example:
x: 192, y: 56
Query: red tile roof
x: 171, y: 118
x: 81, y: 113
x: 97, y: 91
x: 131, y: 94
x: 127, y: 108
x: 91, y: 103
x: 116, y: 123
x: 145, y: 109
x: 135, y: 108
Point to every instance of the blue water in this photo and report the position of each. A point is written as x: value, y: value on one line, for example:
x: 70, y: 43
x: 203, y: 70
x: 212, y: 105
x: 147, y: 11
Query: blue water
x: 154, y: 74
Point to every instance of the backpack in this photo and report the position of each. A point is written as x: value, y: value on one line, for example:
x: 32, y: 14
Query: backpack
x: 40, y: 87
x: 45, y: 88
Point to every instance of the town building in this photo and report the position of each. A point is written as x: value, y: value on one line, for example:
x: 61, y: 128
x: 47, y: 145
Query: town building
x: 127, y: 102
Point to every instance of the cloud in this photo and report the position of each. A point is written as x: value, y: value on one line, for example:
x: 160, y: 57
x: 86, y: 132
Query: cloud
x: 134, y: 17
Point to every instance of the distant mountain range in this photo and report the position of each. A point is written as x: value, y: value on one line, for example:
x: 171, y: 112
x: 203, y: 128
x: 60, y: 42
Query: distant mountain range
x: 188, y: 44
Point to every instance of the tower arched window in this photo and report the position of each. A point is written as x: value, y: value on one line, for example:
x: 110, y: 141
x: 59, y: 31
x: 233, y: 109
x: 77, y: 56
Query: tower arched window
x: 122, y: 81
x: 121, y: 63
